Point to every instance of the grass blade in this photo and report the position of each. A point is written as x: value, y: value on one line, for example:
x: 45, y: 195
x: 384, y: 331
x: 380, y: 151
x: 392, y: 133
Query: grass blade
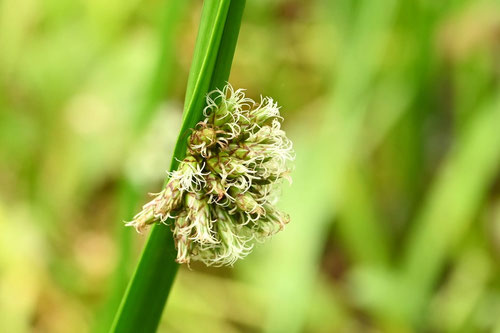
x: 149, y: 288
x: 451, y: 205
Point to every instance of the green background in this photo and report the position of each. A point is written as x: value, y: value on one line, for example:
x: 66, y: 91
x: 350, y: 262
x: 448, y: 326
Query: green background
x: 394, y: 111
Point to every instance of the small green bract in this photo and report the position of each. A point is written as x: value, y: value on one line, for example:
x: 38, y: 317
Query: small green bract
x: 222, y: 195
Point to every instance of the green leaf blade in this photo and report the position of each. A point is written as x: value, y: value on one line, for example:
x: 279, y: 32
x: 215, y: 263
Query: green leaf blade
x: 146, y: 295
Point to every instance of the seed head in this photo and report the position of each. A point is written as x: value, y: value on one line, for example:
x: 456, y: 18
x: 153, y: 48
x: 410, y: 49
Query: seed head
x: 220, y: 196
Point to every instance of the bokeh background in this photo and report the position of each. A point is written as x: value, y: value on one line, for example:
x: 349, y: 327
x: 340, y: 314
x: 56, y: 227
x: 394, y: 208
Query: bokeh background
x: 394, y: 110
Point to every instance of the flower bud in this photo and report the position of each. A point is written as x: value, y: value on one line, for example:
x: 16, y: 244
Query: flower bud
x: 143, y: 219
x: 189, y: 175
x: 221, y: 115
x: 266, y: 112
x: 226, y: 166
x: 214, y: 185
x: 263, y: 135
x: 202, y: 139
x: 188, y: 164
x: 273, y: 222
x: 248, y: 152
x: 233, y: 243
x: 246, y: 202
x: 199, y: 216
x: 183, y: 245
x: 279, y: 218
x: 159, y: 208
x: 168, y: 200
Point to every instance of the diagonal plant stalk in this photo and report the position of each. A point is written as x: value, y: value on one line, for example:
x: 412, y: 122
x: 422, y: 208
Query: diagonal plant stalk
x: 450, y: 207
x: 146, y: 295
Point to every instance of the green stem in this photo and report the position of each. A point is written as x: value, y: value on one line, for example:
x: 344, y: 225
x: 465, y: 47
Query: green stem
x: 146, y: 295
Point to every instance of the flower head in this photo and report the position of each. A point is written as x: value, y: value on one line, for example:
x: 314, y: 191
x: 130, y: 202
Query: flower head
x: 221, y: 195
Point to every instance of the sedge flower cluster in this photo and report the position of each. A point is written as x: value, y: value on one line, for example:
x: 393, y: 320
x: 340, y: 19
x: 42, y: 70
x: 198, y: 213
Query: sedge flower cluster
x: 222, y: 195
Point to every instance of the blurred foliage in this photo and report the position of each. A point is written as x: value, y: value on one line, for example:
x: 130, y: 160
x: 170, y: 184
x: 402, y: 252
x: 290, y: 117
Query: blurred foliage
x: 394, y: 109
